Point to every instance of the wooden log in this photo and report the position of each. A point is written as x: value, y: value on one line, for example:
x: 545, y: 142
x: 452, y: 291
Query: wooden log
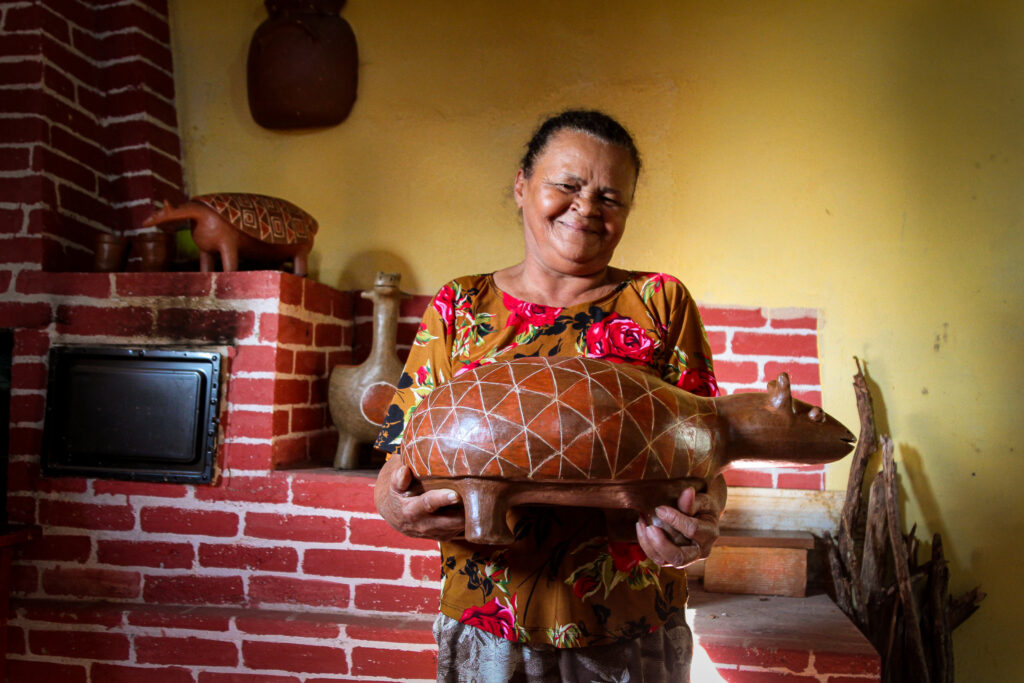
x: 881, y: 611
x: 854, y: 486
x: 936, y: 616
x: 866, y: 445
x: 889, y: 611
x: 912, y: 546
x: 874, y: 558
x: 891, y: 661
x: 841, y: 584
x: 872, y: 567
x: 917, y: 664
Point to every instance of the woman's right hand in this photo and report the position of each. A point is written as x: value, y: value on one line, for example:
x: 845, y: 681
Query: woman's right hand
x: 417, y: 514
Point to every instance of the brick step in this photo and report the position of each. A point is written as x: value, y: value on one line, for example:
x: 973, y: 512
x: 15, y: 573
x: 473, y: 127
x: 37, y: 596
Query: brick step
x: 758, y: 562
x: 82, y: 641
x: 765, y: 538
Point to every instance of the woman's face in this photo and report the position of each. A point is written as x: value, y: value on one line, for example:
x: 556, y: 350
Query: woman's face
x: 575, y: 203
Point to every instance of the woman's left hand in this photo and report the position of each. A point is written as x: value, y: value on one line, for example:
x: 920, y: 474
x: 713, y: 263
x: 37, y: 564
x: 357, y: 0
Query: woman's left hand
x: 696, y: 519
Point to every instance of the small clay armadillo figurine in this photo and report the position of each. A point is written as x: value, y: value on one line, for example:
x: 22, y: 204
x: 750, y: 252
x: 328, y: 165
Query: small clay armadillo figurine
x: 359, y: 395
x: 590, y: 433
x: 234, y: 224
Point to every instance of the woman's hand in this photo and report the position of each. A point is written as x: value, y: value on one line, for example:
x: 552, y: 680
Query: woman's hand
x: 416, y: 514
x: 695, y: 519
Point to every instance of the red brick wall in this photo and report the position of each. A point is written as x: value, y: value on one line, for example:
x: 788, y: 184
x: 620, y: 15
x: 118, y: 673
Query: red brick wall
x: 88, y: 134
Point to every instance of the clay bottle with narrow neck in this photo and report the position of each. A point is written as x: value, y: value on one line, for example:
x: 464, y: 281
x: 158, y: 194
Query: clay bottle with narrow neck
x: 359, y: 395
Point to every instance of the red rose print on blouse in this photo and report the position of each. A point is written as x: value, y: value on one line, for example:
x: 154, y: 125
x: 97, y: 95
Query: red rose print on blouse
x: 619, y: 339
x: 654, y: 284
x: 700, y: 382
x: 494, y: 618
x: 626, y: 555
x: 584, y: 586
x: 665, y: 277
x: 444, y: 304
x: 524, y: 314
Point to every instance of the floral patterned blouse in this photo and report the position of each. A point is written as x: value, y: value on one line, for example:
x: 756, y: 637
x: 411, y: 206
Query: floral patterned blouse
x: 563, y: 582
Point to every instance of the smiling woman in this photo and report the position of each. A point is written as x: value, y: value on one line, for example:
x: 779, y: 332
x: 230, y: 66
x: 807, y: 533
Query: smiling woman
x: 565, y: 600
x: 574, y: 203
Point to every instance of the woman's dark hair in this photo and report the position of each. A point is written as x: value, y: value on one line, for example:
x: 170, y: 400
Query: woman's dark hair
x: 591, y: 122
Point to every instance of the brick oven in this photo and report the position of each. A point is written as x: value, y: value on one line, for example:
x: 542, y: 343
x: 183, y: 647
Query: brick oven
x: 279, y: 569
x: 280, y: 564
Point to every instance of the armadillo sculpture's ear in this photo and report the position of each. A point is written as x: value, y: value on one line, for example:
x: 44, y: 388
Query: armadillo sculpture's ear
x: 779, y: 392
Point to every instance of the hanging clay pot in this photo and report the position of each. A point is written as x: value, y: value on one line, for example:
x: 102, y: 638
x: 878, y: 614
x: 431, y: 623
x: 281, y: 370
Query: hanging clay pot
x: 359, y: 395
x: 109, y: 255
x: 302, y: 65
x: 152, y: 250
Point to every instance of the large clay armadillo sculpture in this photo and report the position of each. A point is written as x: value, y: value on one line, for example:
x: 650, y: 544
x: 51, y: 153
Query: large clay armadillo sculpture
x: 585, y: 432
x: 233, y: 224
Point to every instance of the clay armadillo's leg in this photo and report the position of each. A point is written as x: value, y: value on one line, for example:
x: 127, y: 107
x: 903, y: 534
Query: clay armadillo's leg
x: 486, y: 505
x: 299, y: 264
x: 228, y: 257
x: 347, y: 455
x: 206, y: 261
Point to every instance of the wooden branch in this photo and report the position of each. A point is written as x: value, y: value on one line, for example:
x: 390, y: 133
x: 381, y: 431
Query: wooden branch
x: 917, y: 666
x: 866, y: 445
x: 964, y: 606
x: 851, y: 507
x: 912, y: 545
x: 937, y: 618
x: 872, y: 565
x: 889, y: 610
x: 840, y: 581
x: 890, y: 644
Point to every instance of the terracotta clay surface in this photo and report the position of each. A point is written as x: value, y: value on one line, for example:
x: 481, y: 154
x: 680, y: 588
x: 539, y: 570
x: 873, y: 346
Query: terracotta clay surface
x: 234, y: 224
x: 359, y: 395
x: 585, y: 432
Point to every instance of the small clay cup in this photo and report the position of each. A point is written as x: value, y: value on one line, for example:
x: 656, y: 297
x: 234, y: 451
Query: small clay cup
x: 151, y: 248
x: 110, y: 252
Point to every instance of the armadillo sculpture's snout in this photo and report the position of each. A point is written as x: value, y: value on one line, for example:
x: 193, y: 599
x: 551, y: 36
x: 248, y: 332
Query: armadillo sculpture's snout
x: 585, y: 432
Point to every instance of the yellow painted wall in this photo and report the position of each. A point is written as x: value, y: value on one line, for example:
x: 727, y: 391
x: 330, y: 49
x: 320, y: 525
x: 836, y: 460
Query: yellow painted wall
x: 862, y: 159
